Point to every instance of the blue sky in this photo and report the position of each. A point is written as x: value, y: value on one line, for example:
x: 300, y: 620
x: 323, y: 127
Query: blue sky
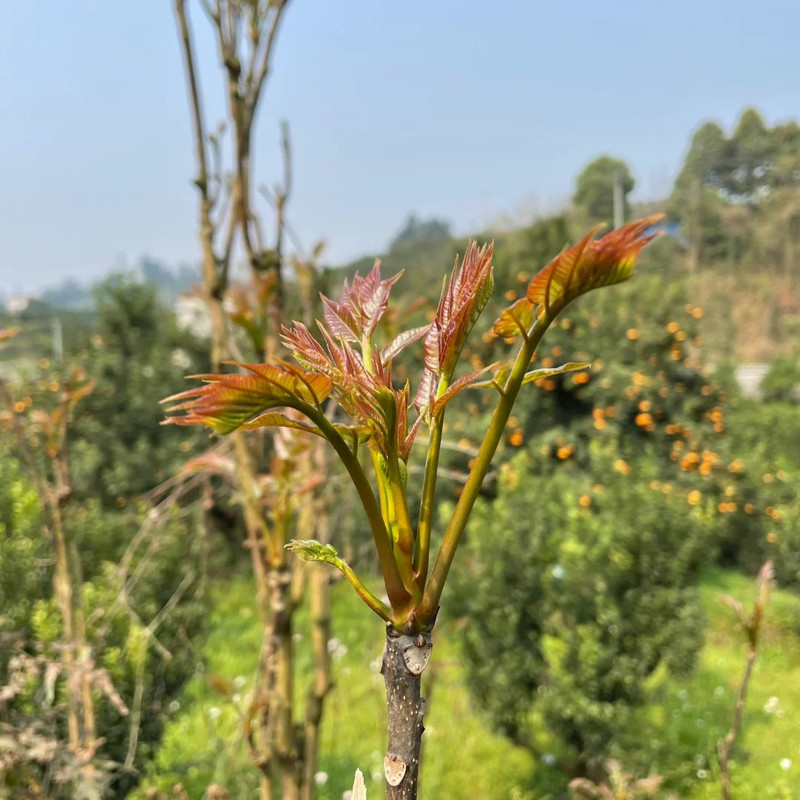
x: 467, y: 110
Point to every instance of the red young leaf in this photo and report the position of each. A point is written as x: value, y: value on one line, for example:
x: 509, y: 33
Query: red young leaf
x: 366, y: 395
x: 426, y: 392
x: 358, y: 377
x: 401, y: 341
x: 354, y: 387
x: 410, y: 438
x: 590, y: 264
x: 277, y: 419
x: 307, y: 350
x: 515, y: 320
x: 226, y: 402
x: 363, y: 390
x: 458, y: 386
x: 212, y: 463
x: 362, y: 305
x: 462, y: 300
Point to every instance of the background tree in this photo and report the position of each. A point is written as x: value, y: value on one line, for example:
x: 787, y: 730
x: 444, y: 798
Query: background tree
x: 695, y: 196
x: 133, y: 618
x: 726, y: 185
x: 283, y: 743
x: 41, y: 438
x: 135, y: 349
x: 417, y: 230
x: 751, y: 160
x: 570, y: 571
x: 594, y: 190
x: 706, y: 158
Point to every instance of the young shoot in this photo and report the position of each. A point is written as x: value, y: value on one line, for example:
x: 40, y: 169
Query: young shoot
x: 345, y: 365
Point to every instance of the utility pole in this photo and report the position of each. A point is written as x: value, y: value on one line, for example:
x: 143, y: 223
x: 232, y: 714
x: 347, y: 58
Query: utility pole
x: 58, y: 340
x: 619, y: 203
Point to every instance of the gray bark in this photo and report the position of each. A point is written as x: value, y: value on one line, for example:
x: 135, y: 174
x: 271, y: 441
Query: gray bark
x: 404, y: 659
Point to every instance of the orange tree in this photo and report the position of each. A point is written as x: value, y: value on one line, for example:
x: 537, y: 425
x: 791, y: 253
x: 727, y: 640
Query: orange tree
x: 351, y: 368
x: 578, y: 590
x: 637, y: 461
x: 649, y: 395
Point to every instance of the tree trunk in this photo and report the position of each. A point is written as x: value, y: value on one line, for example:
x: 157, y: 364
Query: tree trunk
x: 67, y: 582
x: 322, y: 683
x: 280, y: 672
x: 83, y: 653
x: 64, y: 592
x: 404, y: 659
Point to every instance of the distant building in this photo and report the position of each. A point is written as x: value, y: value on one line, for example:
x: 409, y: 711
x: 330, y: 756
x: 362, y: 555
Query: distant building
x: 749, y: 377
x: 17, y: 303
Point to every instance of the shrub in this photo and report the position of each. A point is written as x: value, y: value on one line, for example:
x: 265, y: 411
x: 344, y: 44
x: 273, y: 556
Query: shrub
x: 579, y: 589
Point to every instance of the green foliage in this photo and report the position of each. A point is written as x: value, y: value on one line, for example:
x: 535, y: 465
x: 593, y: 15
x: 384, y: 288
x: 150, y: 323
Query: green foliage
x: 594, y: 190
x: 736, y: 196
x: 578, y: 590
x: 648, y: 390
x: 23, y: 549
x: 138, y: 353
x: 768, y: 436
x: 148, y: 668
x: 143, y: 610
x: 417, y: 230
x: 678, y: 736
x: 40, y: 325
x: 782, y: 382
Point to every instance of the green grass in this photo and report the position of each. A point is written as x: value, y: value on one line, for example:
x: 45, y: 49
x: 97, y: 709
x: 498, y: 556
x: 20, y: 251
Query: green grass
x: 770, y: 733
x: 462, y: 759
x: 203, y: 744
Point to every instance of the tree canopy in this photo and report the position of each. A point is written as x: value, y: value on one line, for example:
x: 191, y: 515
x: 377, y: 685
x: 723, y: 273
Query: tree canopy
x: 416, y: 229
x: 594, y: 190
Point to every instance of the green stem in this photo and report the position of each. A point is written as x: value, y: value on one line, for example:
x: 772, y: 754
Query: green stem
x: 383, y: 496
x: 405, y: 533
x: 381, y: 609
x: 394, y: 509
x: 426, y: 611
x: 422, y: 553
x: 399, y: 596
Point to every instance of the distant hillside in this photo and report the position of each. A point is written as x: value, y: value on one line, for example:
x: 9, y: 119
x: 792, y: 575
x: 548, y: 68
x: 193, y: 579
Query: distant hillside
x: 733, y: 219
x: 74, y: 295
